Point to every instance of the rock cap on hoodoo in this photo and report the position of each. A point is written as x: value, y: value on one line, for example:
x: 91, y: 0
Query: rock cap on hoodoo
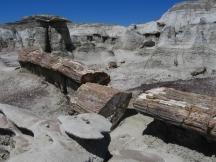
x: 44, y: 18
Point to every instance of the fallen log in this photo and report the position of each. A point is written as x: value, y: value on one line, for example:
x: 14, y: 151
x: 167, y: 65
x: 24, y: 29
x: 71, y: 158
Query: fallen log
x: 64, y: 71
x: 106, y: 101
x: 188, y: 110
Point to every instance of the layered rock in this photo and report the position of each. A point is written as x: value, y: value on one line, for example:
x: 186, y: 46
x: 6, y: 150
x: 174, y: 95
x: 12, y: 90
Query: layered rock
x: 49, y: 33
x: 62, y: 71
x: 190, y: 12
x: 188, y: 110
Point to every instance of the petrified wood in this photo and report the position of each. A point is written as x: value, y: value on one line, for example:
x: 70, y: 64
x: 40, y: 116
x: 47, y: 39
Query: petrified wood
x: 63, y: 71
x: 106, y: 101
x: 188, y: 110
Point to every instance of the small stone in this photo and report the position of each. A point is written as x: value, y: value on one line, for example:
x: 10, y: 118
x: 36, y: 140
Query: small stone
x: 122, y: 62
x: 113, y: 65
x: 199, y: 71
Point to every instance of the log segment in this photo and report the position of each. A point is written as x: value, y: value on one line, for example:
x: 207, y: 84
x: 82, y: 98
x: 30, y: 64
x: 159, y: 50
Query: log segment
x: 106, y: 101
x: 188, y: 110
x: 63, y: 71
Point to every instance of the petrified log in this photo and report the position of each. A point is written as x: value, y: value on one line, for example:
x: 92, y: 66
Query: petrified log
x: 188, y: 110
x: 64, y: 71
x: 106, y: 101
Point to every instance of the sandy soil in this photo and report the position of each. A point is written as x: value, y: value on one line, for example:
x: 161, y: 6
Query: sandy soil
x: 142, y: 134
x: 23, y: 89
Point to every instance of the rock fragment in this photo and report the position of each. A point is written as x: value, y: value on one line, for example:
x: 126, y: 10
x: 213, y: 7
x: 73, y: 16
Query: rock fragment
x: 112, y: 65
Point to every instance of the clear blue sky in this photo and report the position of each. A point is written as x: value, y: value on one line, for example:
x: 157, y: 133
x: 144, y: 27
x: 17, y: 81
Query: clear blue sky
x: 122, y: 12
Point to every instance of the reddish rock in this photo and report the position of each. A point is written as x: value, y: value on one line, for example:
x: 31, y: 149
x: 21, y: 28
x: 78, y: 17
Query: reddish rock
x: 188, y: 110
x: 62, y: 70
x: 106, y: 101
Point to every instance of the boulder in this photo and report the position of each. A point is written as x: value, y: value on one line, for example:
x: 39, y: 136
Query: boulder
x: 63, y: 71
x: 106, y: 101
x: 188, y: 110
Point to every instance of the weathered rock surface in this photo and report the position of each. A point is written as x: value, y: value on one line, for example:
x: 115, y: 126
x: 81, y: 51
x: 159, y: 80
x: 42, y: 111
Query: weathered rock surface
x: 198, y: 71
x: 90, y: 130
x: 49, y: 33
x: 142, y: 134
x: 37, y: 139
x: 86, y: 126
x: 168, y: 49
x: 187, y: 110
x: 64, y: 71
x: 22, y: 89
x: 106, y: 101
x: 136, y: 156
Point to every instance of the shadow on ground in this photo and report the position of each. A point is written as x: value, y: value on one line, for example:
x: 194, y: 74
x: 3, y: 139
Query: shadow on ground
x: 97, y: 147
x: 203, y: 86
x: 175, y: 135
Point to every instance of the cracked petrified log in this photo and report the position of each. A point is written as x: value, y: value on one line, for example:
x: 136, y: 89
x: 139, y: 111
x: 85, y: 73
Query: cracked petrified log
x: 59, y: 70
x: 106, y: 101
x: 188, y: 110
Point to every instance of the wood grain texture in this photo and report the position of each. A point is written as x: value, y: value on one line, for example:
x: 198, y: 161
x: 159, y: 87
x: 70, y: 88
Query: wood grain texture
x: 67, y: 67
x: 106, y: 101
x: 188, y: 110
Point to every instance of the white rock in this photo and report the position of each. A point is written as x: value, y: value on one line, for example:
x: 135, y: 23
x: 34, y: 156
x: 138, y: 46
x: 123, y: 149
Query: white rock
x: 86, y: 126
x: 46, y: 144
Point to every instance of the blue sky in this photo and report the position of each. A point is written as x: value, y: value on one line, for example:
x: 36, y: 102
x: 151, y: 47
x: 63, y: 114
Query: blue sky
x: 123, y: 12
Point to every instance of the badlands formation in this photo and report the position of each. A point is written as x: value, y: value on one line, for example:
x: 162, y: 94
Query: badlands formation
x: 94, y: 92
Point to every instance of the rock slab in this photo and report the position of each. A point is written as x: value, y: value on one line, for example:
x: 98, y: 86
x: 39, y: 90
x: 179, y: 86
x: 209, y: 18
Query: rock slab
x: 85, y: 126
